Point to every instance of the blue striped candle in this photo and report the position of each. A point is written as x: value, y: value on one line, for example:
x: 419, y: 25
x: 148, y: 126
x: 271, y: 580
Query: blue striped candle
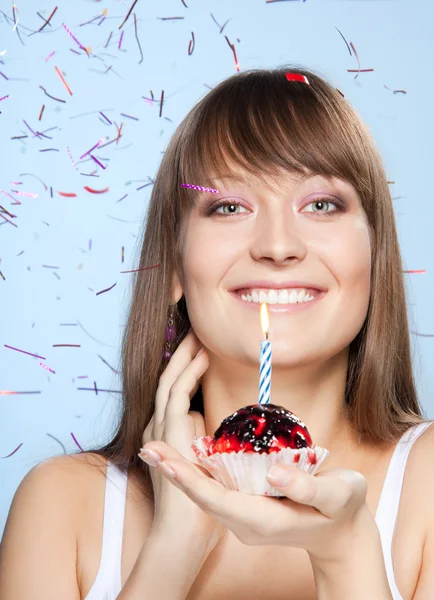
x: 265, y: 360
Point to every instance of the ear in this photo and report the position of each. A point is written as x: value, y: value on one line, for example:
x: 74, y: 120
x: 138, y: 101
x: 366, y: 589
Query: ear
x: 177, y: 290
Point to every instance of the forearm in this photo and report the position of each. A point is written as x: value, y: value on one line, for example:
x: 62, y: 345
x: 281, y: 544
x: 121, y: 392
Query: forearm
x: 359, y: 575
x: 165, y: 568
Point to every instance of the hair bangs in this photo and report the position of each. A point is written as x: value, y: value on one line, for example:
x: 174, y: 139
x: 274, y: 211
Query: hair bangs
x: 267, y: 126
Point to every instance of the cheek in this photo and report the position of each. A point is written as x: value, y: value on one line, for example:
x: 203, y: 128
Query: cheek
x: 207, y: 258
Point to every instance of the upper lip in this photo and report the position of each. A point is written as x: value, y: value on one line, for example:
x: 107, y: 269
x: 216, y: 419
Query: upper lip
x: 274, y: 285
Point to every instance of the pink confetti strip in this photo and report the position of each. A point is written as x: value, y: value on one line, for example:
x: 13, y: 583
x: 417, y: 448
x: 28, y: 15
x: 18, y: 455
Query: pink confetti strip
x: 73, y: 37
x: 46, y: 367
x: 72, y: 160
x: 120, y: 40
x: 24, y: 352
x: 49, y: 56
x: 4, y: 97
x: 200, y: 188
x: 28, y: 194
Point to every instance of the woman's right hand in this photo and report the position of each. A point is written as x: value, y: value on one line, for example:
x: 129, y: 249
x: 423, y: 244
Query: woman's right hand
x: 174, y: 424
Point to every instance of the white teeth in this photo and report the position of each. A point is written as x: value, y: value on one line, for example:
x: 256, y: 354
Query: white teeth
x: 278, y: 297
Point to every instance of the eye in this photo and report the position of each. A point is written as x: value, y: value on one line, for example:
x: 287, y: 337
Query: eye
x: 223, y: 204
x: 324, y: 202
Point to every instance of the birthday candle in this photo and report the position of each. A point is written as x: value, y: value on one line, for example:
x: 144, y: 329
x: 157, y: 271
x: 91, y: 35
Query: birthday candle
x: 265, y: 359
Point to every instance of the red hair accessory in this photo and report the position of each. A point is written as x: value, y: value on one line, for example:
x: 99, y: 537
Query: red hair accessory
x: 297, y: 77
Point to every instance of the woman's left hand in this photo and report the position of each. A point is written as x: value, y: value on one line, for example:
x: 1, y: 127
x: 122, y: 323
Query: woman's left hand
x: 320, y: 513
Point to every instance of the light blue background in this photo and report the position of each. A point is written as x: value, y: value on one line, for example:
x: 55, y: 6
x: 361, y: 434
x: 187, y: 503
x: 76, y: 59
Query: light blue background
x: 395, y: 38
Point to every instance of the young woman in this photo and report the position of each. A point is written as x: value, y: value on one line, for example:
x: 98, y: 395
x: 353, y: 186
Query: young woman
x: 303, y: 204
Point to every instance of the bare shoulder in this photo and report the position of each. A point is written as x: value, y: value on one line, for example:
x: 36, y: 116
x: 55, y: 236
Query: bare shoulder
x: 38, y: 550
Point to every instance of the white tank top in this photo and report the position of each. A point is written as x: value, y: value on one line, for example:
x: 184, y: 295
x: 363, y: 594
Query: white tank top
x: 107, y: 585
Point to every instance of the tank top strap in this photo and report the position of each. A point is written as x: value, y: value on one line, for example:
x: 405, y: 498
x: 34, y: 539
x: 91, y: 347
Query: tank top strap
x: 388, y: 506
x: 107, y: 584
x: 114, y: 512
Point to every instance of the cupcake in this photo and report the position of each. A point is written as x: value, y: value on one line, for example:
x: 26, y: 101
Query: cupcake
x: 248, y: 443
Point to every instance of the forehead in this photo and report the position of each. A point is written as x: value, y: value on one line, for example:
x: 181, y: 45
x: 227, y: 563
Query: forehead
x: 279, y: 180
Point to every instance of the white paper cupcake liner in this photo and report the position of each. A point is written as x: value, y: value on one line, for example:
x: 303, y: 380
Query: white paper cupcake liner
x: 247, y: 471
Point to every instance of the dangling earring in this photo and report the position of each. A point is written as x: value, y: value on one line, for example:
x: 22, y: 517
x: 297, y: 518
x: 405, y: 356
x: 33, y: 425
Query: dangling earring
x: 170, y: 334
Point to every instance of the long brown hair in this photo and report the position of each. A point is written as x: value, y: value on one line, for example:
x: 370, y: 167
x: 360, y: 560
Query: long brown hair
x: 263, y: 123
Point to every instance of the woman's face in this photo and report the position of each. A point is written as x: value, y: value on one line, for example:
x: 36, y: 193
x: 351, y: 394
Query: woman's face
x: 311, y: 230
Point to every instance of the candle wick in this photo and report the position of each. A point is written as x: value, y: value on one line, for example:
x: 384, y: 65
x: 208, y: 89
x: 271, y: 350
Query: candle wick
x: 266, y: 335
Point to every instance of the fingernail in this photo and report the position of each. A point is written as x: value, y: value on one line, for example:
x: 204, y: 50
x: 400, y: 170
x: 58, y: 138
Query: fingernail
x: 167, y: 470
x: 279, y: 476
x: 150, y: 457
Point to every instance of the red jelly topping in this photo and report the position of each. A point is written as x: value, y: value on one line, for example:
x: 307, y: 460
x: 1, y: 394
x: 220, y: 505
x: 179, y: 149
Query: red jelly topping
x: 260, y: 428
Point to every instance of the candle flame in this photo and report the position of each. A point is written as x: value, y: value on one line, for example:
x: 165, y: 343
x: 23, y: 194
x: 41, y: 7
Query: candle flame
x: 265, y: 325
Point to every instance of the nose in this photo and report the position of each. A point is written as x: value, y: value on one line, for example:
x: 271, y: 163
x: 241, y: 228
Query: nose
x: 277, y: 237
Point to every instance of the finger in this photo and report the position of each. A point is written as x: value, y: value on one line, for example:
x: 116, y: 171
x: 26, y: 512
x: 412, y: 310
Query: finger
x: 166, y: 452
x: 330, y: 492
x: 183, y: 389
x: 148, y: 434
x: 226, y: 505
x: 181, y: 358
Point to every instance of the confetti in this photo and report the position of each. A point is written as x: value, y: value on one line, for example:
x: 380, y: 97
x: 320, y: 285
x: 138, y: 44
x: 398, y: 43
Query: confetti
x: 232, y: 47
x: 128, y: 14
x: 67, y: 194
x: 93, y: 148
x: 54, y: 438
x: 72, y: 160
x: 106, y: 290
x: 41, y: 113
x: 106, y: 118
x: 50, y: 96
x: 74, y: 38
x: 25, y: 352
x: 75, y: 440
x: 199, y: 187
x: 47, y: 21
x: 105, y: 362
x: 18, y: 447
x: 66, y: 346
x: 137, y: 39
x: 141, y: 269
x: 296, y: 77
x: 97, y: 161
x: 191, y: 45
x: 161, y: 102
x: 63, y: 80
x: 88, y: 189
